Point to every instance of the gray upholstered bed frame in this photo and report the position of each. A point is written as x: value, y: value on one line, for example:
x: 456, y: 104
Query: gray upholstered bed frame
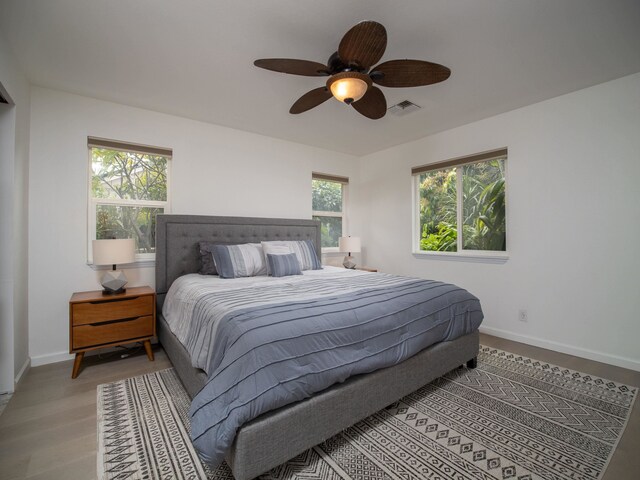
x: 276, y: 436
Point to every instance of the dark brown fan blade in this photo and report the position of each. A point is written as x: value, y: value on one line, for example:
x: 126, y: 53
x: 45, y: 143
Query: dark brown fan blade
x: 311, y: 99
x: 409, y: 73
x: 295, y: 67
x: 373, y: 105
x: 363, y: 45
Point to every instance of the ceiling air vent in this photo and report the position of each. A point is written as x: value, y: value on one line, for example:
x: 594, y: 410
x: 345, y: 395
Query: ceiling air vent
x: 403, y: 108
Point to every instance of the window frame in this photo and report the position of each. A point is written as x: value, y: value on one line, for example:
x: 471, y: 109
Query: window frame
x: 94, y: 142
x: 344, y: 181
x: 489, y: 256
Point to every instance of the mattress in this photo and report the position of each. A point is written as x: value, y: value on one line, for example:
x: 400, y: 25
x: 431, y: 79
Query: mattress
x: 267, y: 342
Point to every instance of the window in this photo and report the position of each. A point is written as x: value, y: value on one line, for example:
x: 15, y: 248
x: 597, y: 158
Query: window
x: 460, y: 204
x: 328, y: 200
x: 128, y: 187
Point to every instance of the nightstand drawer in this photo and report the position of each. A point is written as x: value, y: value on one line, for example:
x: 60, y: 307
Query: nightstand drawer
x: 98, y: 334
x: 105, y: 310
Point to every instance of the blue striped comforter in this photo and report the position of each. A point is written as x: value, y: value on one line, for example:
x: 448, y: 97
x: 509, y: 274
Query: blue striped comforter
x: 267, y: 343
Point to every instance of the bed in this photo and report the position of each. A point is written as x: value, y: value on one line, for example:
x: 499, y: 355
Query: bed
x: 275, y: 436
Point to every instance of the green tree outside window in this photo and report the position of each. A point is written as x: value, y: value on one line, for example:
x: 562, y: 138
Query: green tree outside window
x: 326, y: 203
x: 483, y: 208
x: 128, y: 190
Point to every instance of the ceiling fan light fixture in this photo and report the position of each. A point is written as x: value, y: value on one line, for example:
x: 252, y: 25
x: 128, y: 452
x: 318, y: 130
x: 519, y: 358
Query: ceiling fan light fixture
x: 354, y: 68
x: 349, y: 87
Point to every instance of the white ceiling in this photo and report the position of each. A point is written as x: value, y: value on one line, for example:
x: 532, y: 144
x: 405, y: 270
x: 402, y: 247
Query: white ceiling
x: 194, y: 58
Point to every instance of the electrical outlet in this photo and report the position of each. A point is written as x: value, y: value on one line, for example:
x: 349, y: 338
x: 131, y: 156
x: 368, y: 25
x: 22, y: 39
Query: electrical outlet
x: 523, y: 316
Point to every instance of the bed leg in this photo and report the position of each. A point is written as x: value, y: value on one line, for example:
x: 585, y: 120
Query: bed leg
x: 473, y: 363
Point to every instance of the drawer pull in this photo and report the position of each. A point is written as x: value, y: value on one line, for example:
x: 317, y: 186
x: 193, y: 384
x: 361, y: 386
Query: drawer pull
x: 98, y: 302
x: 113, y: 321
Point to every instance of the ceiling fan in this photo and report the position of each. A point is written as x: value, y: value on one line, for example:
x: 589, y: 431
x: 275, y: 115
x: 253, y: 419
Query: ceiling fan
x: 351, y: 77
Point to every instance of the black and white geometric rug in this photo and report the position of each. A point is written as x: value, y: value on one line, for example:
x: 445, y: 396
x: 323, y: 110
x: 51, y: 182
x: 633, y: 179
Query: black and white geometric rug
x: 511, y: 418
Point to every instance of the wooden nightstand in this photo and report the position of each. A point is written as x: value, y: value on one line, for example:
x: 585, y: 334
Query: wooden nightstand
x: 367, y: 269
x: 97, y: 321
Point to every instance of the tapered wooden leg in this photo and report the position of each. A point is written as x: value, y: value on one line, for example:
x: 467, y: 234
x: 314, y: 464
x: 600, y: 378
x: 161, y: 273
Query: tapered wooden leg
x: 76, y: 364
x: 147, y: 348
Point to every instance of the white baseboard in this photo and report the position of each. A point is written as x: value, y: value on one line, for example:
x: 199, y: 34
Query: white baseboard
x: 38, y: 360
x: 63, y: 356
x: 25, y: 368
x: 616, y: 360
x: 610, y: 359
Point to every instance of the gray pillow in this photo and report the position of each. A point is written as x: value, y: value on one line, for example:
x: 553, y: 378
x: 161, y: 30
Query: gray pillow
x: 304, y: 250
x: 307, y: 252
x: 234, y: 261
x: 275, y: 248
x: 283, y: 265
x: 207, y: 265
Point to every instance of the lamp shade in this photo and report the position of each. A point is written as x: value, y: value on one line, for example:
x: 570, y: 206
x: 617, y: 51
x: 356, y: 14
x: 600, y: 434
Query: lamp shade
x: 349, y: 244
x: 348, y: 87
x: 114, y: 251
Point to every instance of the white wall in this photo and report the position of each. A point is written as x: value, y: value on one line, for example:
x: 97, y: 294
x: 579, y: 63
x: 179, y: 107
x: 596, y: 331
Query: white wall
x: 7, y: 149
x: 572, y: 208
x: 573, y: 220
x: 14, y: 159
x: 214, y: 171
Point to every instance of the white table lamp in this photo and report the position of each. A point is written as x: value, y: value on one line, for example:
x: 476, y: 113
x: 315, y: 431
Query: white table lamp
x: 113, y: 252
x: 349, y: 245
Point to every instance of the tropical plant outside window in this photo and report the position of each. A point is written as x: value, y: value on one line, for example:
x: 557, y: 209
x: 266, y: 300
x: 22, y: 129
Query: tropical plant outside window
x: 463, y: 207
x: 328, y: 206
x: 128, y: 189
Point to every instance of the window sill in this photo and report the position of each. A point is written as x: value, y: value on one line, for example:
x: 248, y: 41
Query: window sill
x: 137, y: 264
x: 471, y: 257
x: 332, y: 251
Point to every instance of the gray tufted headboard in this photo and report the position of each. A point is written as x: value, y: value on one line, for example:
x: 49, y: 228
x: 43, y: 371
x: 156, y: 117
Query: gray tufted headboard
x: 177, y: 238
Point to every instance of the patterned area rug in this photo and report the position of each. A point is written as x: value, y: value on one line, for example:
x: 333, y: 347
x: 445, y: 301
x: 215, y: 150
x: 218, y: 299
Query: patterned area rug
x: 511, y: 418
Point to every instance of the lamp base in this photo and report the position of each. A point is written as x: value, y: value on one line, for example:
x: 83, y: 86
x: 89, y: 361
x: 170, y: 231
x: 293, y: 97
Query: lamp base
x: 106, y: 291
x: 349, y: 262
x: 113, y: 282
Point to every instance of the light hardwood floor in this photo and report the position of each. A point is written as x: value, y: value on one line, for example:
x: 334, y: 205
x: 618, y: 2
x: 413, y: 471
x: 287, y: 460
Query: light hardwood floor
x: 4, y: 399
x: 48, y: 430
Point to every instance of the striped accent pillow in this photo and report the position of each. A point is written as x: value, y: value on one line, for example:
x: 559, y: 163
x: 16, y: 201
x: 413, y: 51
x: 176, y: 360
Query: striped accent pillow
x: 283, y: 265
x: 304, y: 250
x: 274, y: 248
x: 233, y: 261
